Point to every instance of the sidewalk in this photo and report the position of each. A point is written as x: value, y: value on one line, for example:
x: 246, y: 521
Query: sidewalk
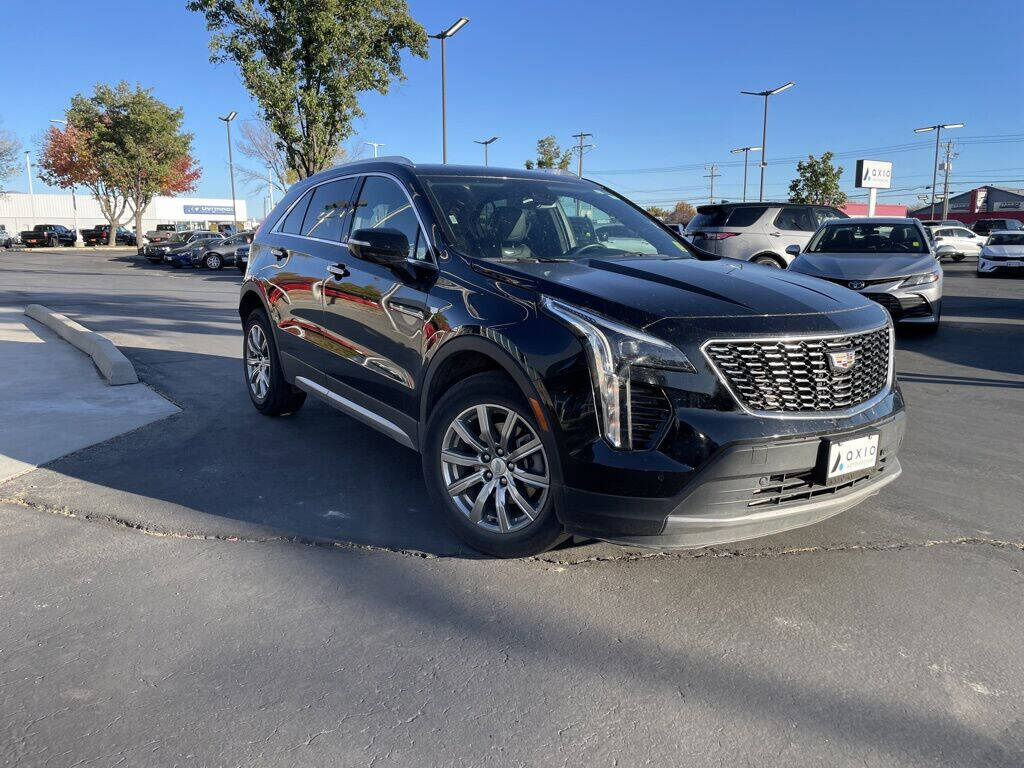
x: 53, y: 401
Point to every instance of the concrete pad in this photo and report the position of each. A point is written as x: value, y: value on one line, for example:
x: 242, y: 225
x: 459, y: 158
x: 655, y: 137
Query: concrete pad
x: 112, y: 363
x: 54, y: 402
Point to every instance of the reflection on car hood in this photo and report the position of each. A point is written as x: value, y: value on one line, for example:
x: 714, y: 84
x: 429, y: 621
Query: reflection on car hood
x: 862, y: 266
x: 649, y: 289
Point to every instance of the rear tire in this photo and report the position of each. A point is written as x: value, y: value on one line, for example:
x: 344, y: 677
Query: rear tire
x: 509, y: 511
x: 959, y: 256
x: 271, y: 395
x: 767, y: 261
x: 213, y: 261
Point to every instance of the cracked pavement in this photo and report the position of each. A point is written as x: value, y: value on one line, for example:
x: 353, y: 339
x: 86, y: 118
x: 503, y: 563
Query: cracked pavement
x: 219, y: 588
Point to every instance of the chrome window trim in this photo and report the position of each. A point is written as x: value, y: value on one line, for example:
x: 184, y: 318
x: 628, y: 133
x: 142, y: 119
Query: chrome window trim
x: 431, y: 249
x: 843, y: 413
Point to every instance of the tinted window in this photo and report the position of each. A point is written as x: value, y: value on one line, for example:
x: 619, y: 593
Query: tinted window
x: 746, y: 215
x: 865, y: 237
x: 795, y: 220
x: 1006, y: 239
x: 944, y: 233
x: 382, y: 205
x: 963, y: 233
x: 293, y: 223
x: 328, y: 214
x: 708, y: 217
x: 823, y: 214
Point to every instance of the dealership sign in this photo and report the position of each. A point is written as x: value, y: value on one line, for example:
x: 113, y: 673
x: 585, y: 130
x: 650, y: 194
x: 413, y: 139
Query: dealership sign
x: 1008, y: 205
x: 874, y: 174
x: 209, y: 210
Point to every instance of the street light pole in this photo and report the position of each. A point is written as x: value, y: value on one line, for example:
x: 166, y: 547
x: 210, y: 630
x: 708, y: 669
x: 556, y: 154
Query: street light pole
x: 443, y: 37
x: 746, y: 152
x: 31, y: 194
x: 935, y: 166
x: 231, y: 166
x: 764, y: 127
x: 74, y: 203
x: 486, y: 144
x: 376, y: 145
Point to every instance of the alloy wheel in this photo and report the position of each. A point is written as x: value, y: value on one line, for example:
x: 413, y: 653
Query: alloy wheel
x: 213, y: 261
x: 495, y: 468
x: 257, y: 361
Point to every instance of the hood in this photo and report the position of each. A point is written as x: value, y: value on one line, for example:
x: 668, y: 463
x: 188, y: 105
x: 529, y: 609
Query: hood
x: 866, y: 266
x: 646, y: 290
x: 1004, y: 250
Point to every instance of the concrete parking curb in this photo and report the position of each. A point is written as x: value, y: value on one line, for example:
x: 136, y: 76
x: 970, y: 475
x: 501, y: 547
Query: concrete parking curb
x: 115, y: 367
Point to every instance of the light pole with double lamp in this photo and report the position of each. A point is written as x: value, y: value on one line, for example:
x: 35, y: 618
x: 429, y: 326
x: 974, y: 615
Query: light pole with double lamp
x: 764, y: 127
x: 231, y: 166
x: 486, y: 143
x: 935, y: 165
x: 443, y: 37
x: 746, y: 152
x: 74, y: 202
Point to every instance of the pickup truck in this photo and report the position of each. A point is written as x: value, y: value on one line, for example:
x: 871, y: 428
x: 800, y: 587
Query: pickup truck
x: 100, y: 235
x: 161, y: 233
x: 50, y: 235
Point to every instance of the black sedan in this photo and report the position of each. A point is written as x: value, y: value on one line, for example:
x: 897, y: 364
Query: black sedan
x: 179, y: 243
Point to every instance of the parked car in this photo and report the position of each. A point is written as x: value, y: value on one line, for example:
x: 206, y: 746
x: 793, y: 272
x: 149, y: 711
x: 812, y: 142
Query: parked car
x: 242, y: 258
x: 6, y: 239
x: 179, y: 242
x: 961, y: 240
x: 1002, y: 252
x: 932, y: 223
x: 218, y: 253
x: 52, y: 235
x: 162, y: 233
x: 888, y: 260
x: 986, y: 227
x: 757, y: 232
x: 100, y: 235
x: 559, y: 384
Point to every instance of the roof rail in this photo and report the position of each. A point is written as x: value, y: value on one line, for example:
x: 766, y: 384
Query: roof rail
x: 382, y: 159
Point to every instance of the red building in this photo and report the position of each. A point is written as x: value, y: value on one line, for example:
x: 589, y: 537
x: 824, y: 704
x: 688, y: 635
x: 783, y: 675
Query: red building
x: 861, y: 209
x: 986, y: 202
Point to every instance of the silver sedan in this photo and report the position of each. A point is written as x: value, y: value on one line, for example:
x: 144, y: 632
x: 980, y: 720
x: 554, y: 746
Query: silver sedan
x: 890, y: 261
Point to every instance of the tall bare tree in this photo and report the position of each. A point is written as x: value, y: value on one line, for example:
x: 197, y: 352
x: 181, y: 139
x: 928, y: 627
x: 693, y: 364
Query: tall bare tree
x: 10, y: 148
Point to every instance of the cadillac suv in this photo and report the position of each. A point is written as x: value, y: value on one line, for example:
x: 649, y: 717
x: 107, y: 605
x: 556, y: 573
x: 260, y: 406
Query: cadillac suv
x: 563, y: 363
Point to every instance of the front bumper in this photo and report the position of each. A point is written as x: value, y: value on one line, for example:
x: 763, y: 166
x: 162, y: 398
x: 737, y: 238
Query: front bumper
x: 989, y: 265
x: 745, y: 490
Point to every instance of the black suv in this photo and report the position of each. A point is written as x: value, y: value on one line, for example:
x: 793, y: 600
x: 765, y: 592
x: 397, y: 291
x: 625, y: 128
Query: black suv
x: 565, y: 364
x: 986, y: 227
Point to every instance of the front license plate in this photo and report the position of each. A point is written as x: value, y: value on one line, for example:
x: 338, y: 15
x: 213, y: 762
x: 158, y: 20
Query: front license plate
x: 1014, y: 263
x: 851, y: 457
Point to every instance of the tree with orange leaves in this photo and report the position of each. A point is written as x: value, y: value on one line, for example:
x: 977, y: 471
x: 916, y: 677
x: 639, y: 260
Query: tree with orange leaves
x: 124, y: 145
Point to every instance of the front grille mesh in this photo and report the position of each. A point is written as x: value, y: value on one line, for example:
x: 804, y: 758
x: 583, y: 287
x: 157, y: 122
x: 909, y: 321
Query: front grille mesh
x: 795, y: 375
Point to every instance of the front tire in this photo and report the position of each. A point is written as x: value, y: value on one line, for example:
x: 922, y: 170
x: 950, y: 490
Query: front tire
x: 959, y: 256
x: 270, y: 393
x: 490, y: 468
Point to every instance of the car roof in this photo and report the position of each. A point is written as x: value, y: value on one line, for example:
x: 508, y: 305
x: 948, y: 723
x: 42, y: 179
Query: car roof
x: 433, y: 169
x: 1007, y: 232
x: 871, y: 220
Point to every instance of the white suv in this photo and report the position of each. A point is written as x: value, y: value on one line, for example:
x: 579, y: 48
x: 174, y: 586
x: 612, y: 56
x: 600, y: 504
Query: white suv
x: 960, y: 239
x: 757, y: 232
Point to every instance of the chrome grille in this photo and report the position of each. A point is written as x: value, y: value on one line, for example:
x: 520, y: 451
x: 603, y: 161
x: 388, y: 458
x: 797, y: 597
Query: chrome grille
x: 795, y: 374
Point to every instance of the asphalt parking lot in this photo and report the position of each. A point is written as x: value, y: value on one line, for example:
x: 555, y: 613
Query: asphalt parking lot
x: 219, y: 587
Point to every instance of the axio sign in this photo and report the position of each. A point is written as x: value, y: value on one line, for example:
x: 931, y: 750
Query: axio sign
x: 874, y: 174
x: 209, y: 210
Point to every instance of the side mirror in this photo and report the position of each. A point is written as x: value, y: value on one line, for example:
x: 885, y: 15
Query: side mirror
x: 384, y: 246
x: 793, y: 250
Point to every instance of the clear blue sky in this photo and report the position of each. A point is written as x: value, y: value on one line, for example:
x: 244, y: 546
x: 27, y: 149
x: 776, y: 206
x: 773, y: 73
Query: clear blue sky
x: 657, y: 83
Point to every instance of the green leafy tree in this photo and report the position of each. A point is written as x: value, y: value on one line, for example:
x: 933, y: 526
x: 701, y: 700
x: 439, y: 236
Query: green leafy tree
x: 136, y: 144
x: 550, y: 155
x: 305, y: 63
x: 681, y: 213
x: 817, y: 182
x: 657, y: 211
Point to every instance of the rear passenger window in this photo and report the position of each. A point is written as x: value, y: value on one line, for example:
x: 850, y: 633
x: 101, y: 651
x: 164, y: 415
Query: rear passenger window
x: 745, y: 216
x: 328, y: 214
x: 795, y: 220
x: 293, y: 222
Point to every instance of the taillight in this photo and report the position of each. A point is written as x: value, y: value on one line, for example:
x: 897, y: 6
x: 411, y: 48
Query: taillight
x: 719, y: 235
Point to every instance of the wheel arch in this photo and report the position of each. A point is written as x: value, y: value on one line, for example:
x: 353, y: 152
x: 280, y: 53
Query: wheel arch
x: 783, y: 264
x: 251, y: 299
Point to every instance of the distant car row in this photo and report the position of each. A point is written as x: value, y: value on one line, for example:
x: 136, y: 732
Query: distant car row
x: 199, y: 249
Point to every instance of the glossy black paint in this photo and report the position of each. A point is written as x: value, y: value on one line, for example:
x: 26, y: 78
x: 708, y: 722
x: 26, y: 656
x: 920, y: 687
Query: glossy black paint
x: 387, y: 337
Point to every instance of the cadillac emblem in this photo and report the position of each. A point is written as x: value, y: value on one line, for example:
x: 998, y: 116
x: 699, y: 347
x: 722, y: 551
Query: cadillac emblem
x: 843, y: 360
x: 855, y: 285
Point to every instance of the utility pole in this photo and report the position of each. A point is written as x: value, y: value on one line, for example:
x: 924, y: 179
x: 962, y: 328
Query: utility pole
x: 945, y: 181
x: 935, y: 167
x: 712, y: 174
x: 580, y: 148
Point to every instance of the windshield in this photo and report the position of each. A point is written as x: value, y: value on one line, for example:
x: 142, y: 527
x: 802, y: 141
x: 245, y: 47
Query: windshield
x: 1006, y: 239
x: 179, y: 237
x: 544, y: 220
x: 868, y: 238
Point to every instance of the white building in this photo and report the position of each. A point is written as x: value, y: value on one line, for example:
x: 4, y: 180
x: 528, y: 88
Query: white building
x: 20, y: 211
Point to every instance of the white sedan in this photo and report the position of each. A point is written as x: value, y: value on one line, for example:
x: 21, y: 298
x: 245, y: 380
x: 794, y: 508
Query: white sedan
x: 962, y: 241
x: 1002, y: 251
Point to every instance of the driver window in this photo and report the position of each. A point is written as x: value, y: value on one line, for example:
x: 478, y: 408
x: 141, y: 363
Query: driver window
x: 382, y: 205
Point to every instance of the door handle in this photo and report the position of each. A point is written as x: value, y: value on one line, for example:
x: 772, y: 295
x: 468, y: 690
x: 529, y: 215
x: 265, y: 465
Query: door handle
x: 279, y: 253
x: 339, y: 270
x: 775, y: 234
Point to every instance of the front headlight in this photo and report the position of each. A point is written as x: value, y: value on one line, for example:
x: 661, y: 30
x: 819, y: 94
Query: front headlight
x: 925, y: 279
x: 613, y: 349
